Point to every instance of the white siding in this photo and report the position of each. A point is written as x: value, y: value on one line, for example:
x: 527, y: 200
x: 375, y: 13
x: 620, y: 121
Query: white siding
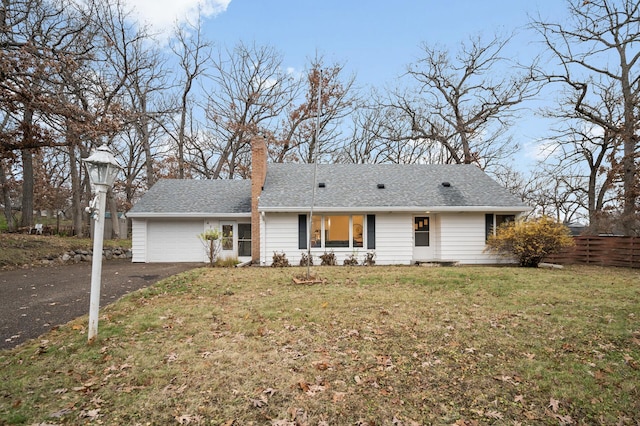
x: 138, y: 240
x: 394, y: 239
x: 456, y: 237
x: 279, y: 233
x: 462, y: 238
x: 175, y: 240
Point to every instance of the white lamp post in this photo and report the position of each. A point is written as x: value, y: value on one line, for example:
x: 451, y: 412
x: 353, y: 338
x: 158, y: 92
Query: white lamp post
x: 103, y: 169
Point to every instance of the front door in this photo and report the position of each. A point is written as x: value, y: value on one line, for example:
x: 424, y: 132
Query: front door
x: 422, y: 244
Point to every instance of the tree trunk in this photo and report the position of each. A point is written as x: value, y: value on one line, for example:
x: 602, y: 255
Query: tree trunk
x: 27, y: 188
x: 27, y: 171
x: 6, y: 199
x: 77, y: 212
x: 146, y: 143
x: 115, y: 222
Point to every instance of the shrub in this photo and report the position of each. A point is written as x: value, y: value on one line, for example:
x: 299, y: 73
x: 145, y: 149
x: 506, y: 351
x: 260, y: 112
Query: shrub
x: 306, y: 258
x: 351, y: 260
x: 211, y: 241
x: 279, y: 260
x: 529, y: 242
x: 328, y: 259
x: 369, y: 259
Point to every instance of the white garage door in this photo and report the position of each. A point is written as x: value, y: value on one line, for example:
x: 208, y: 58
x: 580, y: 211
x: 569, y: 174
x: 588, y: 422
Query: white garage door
x: 175, y: 241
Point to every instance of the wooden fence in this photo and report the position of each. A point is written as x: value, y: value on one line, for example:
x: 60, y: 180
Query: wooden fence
x: 601, y: 250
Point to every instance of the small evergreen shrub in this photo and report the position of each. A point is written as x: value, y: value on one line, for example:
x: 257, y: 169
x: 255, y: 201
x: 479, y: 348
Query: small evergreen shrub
x: 530, y: 241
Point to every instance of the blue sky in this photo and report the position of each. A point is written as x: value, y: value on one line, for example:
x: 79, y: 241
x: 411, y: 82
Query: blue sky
x: 375, y: 39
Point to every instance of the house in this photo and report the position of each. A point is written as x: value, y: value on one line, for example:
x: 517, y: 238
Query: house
x: 405, y: 213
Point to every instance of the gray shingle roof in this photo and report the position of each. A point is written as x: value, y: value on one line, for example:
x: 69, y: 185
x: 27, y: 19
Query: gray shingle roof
x: 288, y: 187
x: 355, y: 186
x: 195, y: 197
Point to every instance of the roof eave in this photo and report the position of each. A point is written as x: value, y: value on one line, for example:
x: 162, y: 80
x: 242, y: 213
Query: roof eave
x: 184, y: 214
x: 401, y: 209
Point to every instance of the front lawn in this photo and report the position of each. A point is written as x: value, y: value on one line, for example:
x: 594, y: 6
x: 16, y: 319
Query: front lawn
x: 370, y: 346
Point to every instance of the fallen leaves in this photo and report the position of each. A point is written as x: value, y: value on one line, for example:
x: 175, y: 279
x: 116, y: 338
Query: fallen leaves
x: 187, y: 419
x: 171, y: 357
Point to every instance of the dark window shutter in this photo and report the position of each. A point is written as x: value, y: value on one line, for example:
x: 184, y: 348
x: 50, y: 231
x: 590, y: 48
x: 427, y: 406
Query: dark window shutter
x: 302, y: 231
x: 488, y: 226
x: 371, y: 231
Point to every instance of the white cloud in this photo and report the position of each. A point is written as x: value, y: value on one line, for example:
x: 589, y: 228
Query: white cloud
x: 541, y: 150
x: 162, y: 15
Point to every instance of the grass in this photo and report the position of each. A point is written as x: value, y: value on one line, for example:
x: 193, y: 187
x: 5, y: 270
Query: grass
x: 370, y: 346
x: 20, y: 249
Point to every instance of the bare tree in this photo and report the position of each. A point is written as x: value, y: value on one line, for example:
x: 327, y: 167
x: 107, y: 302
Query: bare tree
x: 463, y: 103
x: 248, y: 93
x: 597, y: 49
x: 193, y: 53
x: 146, y: 86
x: 39, y: 40
x: 588, y: 149
x: 379, y: 136
x: 296, y: 138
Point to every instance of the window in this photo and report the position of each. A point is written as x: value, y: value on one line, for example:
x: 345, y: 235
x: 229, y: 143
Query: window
x: 421, y: 231
x: 357, y: 232
x: 504, y: 218
x: 336, y: 231
x: 333, y: 231
x: 227, y: 237
x: 492, y: 221
x: 244, y: 239
x: 316, y: 231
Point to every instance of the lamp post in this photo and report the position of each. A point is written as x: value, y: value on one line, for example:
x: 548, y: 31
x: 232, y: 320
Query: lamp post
x: 103, y: 169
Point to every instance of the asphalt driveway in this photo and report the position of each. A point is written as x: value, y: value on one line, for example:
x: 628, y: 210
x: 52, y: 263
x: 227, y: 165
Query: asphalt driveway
x: 34, y: 300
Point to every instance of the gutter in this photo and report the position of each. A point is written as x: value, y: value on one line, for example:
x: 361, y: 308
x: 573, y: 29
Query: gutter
x: 183, y: 215
x: 409, y: 209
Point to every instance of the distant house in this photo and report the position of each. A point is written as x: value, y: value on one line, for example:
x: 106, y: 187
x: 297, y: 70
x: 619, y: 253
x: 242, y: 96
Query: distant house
x: 404, y: 213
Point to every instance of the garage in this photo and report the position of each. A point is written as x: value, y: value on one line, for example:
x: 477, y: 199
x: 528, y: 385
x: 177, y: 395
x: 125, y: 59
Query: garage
x: 175, y: 240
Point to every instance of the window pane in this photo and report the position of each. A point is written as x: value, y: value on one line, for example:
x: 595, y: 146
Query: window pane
x: 227, y: 237
x: 358, y: 222
x: 316, y: 232
x: 504, y: 218
x: 244, y: 248
x: 336, y: 231
x: 422, y: 239
x: 421, y: 231
x: 244, y: 239
x: 244, y: 231
x: 421, y: 223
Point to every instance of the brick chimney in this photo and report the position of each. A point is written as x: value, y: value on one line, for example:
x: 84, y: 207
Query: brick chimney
x: 258, y: 174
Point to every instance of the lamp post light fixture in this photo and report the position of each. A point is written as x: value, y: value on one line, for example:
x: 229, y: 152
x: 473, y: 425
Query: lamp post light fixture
x: 103, y: 169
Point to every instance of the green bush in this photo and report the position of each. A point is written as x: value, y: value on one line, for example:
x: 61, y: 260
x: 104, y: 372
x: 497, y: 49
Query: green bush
x: 530, y: 241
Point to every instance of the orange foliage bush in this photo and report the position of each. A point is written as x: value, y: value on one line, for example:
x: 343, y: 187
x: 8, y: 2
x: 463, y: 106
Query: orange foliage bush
x: 530, y: 241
